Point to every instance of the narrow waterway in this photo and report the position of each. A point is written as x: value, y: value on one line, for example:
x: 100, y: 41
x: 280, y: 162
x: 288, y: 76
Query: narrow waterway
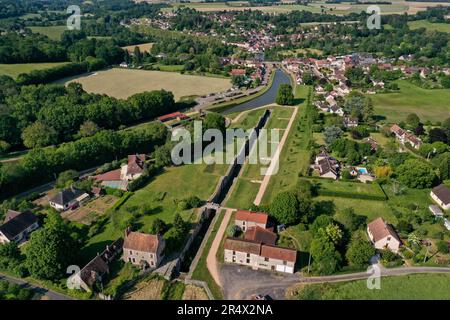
x: 266, y: 98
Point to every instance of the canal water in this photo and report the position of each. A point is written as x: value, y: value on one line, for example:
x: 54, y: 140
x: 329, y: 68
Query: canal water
x: 266, y: 98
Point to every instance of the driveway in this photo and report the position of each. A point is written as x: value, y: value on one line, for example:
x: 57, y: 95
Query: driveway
x: 40, y: 290
x: 241, y: 282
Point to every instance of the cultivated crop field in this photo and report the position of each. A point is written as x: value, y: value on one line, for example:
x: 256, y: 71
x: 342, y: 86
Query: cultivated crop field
x: 13, y: 70
x: 430, y: 105
x: 53, y: 32
x: 143, y: 47
x: 122, y: 83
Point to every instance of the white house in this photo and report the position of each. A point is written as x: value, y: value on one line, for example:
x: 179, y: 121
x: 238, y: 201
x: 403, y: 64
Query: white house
x: 67, y: 199
x: 441, y: 195
x: 383, y: 235
x: 17, y: 226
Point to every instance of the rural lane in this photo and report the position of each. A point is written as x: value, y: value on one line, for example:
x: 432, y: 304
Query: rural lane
x: 241, y: 282
x: 211, y: 259
x: 41, y: 290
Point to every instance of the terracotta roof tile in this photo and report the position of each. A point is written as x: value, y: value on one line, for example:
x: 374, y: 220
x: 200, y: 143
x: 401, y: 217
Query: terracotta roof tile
x: 275, y: 252
x: 257, y: 217
x: 241, y: 245
x: 380, y: 229
x: 261, y: 235
x: 141, y: 242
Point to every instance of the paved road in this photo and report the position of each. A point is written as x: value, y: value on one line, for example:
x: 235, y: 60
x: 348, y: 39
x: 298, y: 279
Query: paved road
x: 40, y: 290
x: 48, y: 186
x: 242, y: 282
x: 211, y: 259
x: 274, y: 165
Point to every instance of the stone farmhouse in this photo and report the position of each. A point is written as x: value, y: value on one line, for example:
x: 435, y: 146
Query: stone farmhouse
x: 144, y: 250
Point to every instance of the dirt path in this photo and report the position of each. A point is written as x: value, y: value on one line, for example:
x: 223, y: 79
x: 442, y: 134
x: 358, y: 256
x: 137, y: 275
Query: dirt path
x: 276, y: 156
x: 211, y: 259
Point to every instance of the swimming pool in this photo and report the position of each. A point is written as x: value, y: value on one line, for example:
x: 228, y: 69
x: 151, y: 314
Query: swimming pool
x: 363, y: 171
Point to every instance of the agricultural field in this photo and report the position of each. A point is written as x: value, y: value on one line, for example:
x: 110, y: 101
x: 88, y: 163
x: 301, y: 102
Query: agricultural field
x: 410, y: 287
x: 13, y: 70
x: 192, y: 292
x: 91, y: 210
x: 53, y: 32
x: 442, y: 27
x: 144, y: 47
x: 429, y: 105
x: 122, y: 83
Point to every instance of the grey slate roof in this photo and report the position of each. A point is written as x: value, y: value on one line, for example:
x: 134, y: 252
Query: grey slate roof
x: 65, y: 196
x: 18, y: 224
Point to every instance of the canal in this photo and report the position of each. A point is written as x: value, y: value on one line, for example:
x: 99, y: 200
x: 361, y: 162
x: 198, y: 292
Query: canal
x: 266, y: 98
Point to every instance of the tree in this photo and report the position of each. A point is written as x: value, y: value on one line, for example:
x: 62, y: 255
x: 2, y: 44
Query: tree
x: 444, y: 166
x: 50, y: 249
x: 214, y: 121
x: 88, y: 128
x: 285, y: 97
x: 357, y: 105
x: 445, y: 81
x: 326, y: 259
x: 351, y: 220
x: 66, y: 178
x: 331, y: 134
x: 442, y: 246
x: 437, y: 134
x: 158, y: 227
x: 162, y: 156
x: 284, y: 208
x: 382, y: 171
x: 359, y: 252
x: 412, y: 120
x: 332, y: 232
x: 320, y: 222
x: 4, y: 146
x: 179, y: 224
x: 39, y: 135
x: 239, y: 81
x: 416, y: 173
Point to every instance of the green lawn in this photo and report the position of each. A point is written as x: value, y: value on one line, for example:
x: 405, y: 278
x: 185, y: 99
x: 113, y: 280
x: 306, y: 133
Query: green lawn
x: 430, y: 105
x: 160, y: 198
x: 295, y: 156
x: 345, y: 189
x: 248, y: 120
x: 13, y: 70
x: 413, y: 287
x: 53, y: 32
x: 243, y: 194
x: 442, y: 27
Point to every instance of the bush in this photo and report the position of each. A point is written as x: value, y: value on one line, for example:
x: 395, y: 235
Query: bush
x: 442, y: 246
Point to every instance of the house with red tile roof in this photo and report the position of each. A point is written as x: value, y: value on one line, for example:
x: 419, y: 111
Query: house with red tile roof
x: 119, y: 178
x: 258, y: 255
x: 144, y: 250
x: 245, y: 219
x: 383, y: 235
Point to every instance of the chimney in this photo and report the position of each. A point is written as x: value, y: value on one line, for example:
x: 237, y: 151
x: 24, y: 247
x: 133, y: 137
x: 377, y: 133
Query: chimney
x: 127, y: 231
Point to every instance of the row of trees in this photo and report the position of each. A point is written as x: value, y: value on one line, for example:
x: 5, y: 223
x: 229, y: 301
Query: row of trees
x: 48, y: 114
x: 41, y: 165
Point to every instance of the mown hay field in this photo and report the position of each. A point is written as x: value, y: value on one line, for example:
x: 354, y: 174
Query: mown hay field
x: 122, y: 83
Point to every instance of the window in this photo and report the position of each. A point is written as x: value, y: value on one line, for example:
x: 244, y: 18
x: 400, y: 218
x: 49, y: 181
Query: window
x: 248, y: 255
x: 131, y: 252
x: 248, y: 260
x: 285, y: 262
x: 388, y: 238
x: 129, y: 259
x: 266, y: 259
x: 234, y: 253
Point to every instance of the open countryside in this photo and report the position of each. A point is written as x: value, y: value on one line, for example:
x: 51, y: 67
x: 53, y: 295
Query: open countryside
x: 122, y: 83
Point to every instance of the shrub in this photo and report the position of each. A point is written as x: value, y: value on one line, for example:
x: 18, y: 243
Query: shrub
x: 442, y: 246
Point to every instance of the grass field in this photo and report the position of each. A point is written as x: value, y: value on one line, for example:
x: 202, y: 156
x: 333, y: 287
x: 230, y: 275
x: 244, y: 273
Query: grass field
x: 294, y: 158
x: 427, y: 104
x: 122, y: 83
x: 53, y: 32
x: 13, y: 70
x: 159, y: 198
x: 442, y: 27
x: 414, y: 287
